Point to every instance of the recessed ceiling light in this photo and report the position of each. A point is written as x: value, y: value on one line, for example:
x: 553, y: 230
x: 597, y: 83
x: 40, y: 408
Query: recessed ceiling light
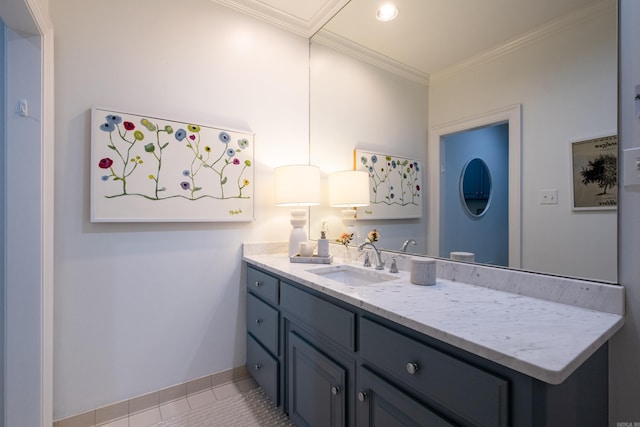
x: 387, y: 12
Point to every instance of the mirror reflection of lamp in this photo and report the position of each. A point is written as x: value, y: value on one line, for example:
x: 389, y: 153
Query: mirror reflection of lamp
x: 297, y: 186
x: 349, y: 189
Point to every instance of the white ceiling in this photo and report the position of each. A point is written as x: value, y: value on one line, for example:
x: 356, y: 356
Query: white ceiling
x: 17, y: 16
x: 428, y: 36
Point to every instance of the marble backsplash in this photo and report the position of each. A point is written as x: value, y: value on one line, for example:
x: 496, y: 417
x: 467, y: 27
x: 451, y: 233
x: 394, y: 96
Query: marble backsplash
x: 591, y: 295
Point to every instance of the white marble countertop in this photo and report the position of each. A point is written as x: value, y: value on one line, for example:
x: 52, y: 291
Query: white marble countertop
x: 543, y: 339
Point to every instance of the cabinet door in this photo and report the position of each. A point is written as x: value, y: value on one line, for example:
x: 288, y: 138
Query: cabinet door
x: 316, y: 394
x: 380, y: 404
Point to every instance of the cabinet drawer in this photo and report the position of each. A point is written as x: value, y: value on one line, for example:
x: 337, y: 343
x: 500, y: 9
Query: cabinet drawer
x: 263, y: 368
x: 263, y: 285
x: 332, y: 321
x: 262, y: 323
x: 470, y: 393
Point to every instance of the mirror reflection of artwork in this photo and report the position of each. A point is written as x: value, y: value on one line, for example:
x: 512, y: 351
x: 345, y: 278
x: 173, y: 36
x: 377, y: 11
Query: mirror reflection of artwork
x: 595, y: 172
x: 156, y: 170
x: 395, y: 186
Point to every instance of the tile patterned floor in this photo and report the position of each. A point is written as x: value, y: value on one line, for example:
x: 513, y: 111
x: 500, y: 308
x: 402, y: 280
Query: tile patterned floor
x: 250, y: 409
x: 239, y: 403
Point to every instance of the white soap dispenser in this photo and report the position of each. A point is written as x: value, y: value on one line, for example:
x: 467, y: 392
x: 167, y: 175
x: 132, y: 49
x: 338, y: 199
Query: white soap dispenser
x: 323, y: 245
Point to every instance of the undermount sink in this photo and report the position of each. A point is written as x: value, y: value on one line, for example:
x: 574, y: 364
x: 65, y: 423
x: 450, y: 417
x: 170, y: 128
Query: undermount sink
x: 352, y: 276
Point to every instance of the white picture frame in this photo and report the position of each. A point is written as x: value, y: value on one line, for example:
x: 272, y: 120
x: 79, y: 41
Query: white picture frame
x: 395, y: 186
x: 594, y: 171
x: 149, y: 169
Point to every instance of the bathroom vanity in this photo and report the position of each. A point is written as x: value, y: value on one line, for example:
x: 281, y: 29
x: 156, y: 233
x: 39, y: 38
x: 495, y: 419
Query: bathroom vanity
x: 453, y: 354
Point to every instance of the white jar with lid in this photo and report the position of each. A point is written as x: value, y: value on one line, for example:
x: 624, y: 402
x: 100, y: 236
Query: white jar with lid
x: 423, y: 271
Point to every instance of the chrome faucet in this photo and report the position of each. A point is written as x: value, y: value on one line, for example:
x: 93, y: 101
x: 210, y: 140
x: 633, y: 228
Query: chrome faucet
x: 406, y: 243
x: 376, y: 251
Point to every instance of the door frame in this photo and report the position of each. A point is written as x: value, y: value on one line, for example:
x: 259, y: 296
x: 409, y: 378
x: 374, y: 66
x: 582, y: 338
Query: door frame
x: 44, y: 28
x: 513, y: 116
x: 47, y: 138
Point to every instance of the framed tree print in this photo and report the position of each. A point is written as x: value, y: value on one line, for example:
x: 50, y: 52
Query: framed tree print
x: 594, y: 173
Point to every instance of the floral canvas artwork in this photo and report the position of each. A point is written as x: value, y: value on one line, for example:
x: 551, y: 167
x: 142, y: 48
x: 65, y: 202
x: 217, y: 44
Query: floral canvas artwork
x: 157, y: 170
x: 395, y: 186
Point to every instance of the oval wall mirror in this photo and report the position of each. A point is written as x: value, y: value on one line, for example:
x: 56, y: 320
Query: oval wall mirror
x: 475, y: 187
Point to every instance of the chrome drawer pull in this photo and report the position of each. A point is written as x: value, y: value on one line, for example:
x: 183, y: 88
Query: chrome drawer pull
x: 362, y: 396
x: 257, y: 366
x: 258, y: 284
x: 335, y: 390
x: 258, y: 321
x: 412, y: 368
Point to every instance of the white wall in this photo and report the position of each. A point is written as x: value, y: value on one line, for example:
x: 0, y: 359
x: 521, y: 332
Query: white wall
x: 139, y: 307
x: 3, y: 85
x: 23, y: 298
x: 144, y: 306
x: 357, y: 105
x: 624, y: 369
x: 567, y: 93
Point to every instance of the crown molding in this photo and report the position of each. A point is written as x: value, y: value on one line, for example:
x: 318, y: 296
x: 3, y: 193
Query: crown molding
x: 348, y: 47
x: 551, y: 28
x: 281, y: 18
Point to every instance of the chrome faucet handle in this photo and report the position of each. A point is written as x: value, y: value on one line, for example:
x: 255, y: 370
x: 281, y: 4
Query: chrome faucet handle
x: 367, y: 261
x: 406, y: 243
x: 394, y: 266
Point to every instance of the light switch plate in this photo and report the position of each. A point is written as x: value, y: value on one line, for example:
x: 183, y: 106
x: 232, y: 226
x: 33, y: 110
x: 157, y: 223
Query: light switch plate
x: 631, y: 167
x: 549, y: 197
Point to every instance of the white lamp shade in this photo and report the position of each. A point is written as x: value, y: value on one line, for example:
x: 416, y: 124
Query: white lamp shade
x: 349, y: 189
x: 297, y: 185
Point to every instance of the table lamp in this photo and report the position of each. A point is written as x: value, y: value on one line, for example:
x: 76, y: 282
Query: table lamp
x: 349, y: 189
x: 297, y: 186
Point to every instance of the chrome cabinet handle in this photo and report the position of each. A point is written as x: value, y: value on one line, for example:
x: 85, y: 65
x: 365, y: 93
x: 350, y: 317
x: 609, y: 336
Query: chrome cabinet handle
x: 257, y: 366
x: 259, y: 321
x: 412, y: 368
x: 362, y: 396
x: 258, y: 283
x: 335, y: 390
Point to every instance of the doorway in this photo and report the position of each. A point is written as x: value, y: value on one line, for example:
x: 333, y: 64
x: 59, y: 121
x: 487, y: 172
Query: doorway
x: 474, y: 194
x: 511, y: 115
x: 27, y: 206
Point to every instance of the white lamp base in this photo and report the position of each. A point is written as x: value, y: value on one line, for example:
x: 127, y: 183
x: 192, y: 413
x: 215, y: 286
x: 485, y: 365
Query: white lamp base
x: 349, y: 219
x: 298, y: 234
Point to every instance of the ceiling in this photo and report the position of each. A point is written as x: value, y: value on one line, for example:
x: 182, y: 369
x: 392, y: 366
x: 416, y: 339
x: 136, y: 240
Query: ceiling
x: 428, y: 36
x: 17, y: 16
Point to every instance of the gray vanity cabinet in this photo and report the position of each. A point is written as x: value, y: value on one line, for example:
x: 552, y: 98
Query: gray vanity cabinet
x: 329, y: 363
x: 263, y: 332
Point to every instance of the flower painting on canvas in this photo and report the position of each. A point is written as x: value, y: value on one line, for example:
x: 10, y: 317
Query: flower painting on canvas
x: 149, y: 169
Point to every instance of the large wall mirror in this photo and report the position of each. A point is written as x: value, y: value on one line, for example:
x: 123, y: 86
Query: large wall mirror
x: 443, y: 66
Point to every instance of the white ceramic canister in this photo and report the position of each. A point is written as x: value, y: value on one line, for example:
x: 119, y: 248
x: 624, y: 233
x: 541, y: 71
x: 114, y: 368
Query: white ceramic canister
x: 423, y: 271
